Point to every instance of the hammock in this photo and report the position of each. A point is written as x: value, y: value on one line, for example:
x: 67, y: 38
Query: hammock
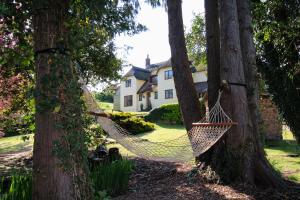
x: 198, y: 140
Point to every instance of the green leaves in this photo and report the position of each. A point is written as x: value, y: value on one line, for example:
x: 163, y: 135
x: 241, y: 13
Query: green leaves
x: 277, y: 28
x: 196, y: 43
x: 20, y: 187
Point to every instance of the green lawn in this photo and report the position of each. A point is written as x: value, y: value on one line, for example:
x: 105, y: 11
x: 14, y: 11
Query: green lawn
x: 278, y: 153
x: 285, y: 156
x: 106, y: 106
x: 160, y: 134
x: 282, y: 154
x: 15, y: 144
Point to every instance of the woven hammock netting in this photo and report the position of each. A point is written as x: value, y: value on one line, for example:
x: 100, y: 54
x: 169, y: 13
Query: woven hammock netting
x: 199, y: 139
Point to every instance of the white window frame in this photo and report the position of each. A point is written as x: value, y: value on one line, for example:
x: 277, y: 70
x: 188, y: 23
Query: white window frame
x: 169, y: 94
x: 128, y: 83
x: 168, y: 74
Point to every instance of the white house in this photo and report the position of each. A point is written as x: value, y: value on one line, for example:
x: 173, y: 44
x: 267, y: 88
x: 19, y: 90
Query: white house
x: 144, y: 89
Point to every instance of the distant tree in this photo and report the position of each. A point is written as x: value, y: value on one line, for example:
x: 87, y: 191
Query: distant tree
x: 277, y: 27
x: 196, y: 43
x: 107, y: 95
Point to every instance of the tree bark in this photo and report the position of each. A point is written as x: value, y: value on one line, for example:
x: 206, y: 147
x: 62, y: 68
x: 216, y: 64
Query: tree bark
x: 50, y: 180
x: 212, y: 28
x: 234, y: 99
x: 185, y: 89
x: 212, y: 49
x: 239, y: 155
x: 264, y: 173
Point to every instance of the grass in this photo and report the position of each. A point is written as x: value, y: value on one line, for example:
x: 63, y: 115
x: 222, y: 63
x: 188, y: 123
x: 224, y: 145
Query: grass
x: 15, y: 144
x: 161, y: 133
x: 283, y: 156
x: 106, y: 106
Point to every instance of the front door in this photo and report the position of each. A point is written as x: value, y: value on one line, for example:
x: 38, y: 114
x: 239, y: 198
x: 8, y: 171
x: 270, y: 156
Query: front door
x: 148, y: 102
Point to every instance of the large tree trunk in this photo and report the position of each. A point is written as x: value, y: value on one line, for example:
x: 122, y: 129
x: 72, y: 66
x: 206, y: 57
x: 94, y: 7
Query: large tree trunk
x: 263, y: 172
x: 185, y: 89
x: 212, y: 49
x: 239, y: 155
x: 212, y: 28
x: 238, y: 147
x: 51, y: 179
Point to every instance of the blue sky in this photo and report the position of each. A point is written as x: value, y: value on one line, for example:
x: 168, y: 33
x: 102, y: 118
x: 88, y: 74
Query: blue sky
x: 155, y: 41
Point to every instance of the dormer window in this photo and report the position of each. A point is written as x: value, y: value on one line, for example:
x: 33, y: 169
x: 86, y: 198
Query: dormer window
x: 128, y: 83
x: 168, y: 74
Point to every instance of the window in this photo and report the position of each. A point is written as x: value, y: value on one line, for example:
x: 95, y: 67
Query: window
x: 140, y: 97
x: 155, y: 95
x: 169, y: 94
x: 127, y: 100
x: 168, y: 74
x: 128, y: 83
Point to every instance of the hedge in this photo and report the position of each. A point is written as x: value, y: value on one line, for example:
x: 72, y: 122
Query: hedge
x: 167, y: 114
x: 131, y: 123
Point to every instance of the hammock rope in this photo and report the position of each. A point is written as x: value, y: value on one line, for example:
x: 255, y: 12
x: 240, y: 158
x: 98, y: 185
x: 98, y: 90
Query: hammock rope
x: 203, y: 135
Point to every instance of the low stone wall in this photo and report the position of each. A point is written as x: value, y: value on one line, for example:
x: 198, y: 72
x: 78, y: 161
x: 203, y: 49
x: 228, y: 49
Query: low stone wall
x: 270, y: 116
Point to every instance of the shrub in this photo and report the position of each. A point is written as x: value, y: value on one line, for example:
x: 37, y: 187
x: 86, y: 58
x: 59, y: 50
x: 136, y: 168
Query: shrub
x: 172, y: 113
x: 19, y: 119
x: 132, y: 124
x: 19, y: 187
x: 94, y: 133
x: 18, y: 125
x: 120, y: 116
x: 113, y: 177
x: 168, y: 114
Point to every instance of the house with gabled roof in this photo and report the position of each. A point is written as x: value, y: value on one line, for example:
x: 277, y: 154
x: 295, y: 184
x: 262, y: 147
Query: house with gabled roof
x: 143, y: 89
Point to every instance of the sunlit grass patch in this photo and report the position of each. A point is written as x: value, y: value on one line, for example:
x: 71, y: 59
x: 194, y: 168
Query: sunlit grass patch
x: 15, y: 144
x: 285, y: 156
x: 106, y: 106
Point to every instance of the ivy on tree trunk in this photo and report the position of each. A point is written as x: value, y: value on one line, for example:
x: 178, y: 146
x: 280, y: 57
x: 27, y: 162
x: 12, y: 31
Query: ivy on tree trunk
x: 59, y: 170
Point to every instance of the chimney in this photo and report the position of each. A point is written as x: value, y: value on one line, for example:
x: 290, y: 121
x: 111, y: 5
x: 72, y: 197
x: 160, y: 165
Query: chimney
x: 147, y: 61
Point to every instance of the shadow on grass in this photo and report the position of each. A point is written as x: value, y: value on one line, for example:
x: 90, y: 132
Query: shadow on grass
x: 288, y: 146
x: 24, y: 146
x: 15, y: 144
x: 15, y: 148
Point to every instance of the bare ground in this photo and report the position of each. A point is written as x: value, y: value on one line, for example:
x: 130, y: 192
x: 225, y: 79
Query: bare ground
x: 152, y: 180
x: 13, y: 161
x: 164, y: 181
